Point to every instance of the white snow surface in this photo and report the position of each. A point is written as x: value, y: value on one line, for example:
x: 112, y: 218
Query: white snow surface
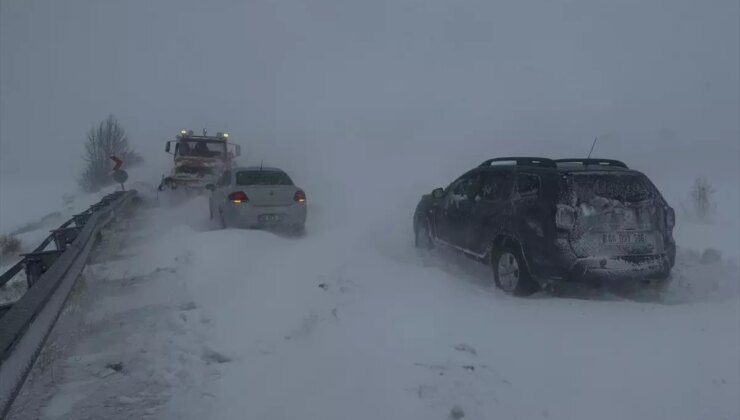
x: 352, y: 322
x: 30, y: 210
x: 30, y: 217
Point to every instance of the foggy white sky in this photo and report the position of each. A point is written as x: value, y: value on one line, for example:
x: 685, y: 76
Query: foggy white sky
x: 442, y: 84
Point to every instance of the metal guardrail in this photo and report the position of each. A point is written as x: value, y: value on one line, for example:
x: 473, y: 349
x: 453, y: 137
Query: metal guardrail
x: 15, y: 269
x: 50, y: 274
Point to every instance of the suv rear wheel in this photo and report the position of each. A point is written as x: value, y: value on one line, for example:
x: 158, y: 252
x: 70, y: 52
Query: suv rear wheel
x: 510, y: 272
x: 661, y: 282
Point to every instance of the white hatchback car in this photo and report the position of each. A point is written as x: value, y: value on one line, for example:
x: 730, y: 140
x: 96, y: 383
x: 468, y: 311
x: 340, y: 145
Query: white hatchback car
x: 257, y: 197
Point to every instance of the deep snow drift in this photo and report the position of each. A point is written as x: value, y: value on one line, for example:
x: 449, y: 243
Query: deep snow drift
x: 352, y: 322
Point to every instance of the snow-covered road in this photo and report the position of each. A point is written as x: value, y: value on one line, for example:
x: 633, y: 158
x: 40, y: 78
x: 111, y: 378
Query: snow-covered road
x: 176, y: 320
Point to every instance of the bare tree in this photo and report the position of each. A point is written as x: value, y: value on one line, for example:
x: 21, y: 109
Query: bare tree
x: 703, y: 205
x: 108, y: 139
x: 9, y: 246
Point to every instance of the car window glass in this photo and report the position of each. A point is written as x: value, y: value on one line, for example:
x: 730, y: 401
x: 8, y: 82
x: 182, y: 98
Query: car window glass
x: 625, y: 187
x: 528, y: 184
x: 262, y: 178
x: 496, y: 186
x: 466, y: 188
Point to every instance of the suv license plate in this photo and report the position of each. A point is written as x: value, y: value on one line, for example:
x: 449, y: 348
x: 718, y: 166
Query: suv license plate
x: 624, y: 238
x: 268, y: 217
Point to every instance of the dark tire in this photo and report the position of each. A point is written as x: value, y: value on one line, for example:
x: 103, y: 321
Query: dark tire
x: 661, y: 282
x: 422, y: 236
x: 298, y: 230
x: 510, y: 272
x: 222, y: 219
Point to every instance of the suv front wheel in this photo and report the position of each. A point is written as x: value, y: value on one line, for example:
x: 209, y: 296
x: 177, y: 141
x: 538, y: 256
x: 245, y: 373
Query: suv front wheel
x: 510, y: 272
x: 422, y: 235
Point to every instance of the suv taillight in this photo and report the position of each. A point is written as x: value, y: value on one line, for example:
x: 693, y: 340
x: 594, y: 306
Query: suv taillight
x: 670, y: 218
x: 565, y: 217
x: 238, y: 197
x: 299, y: 197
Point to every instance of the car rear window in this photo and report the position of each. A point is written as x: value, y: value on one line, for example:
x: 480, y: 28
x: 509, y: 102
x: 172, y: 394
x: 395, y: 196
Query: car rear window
x: 262, y: 178
x: 625, y: 187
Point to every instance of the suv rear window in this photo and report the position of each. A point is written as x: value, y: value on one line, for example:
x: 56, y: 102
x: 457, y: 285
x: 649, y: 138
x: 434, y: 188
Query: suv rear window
x: 625, y: 187
x: 262, y: 178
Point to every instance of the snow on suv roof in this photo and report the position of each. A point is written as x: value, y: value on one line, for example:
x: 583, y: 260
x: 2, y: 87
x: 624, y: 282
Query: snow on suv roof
x: 569, y: 164
x: 577, y: 167
x: 258, y: 168
x: 590, y: 164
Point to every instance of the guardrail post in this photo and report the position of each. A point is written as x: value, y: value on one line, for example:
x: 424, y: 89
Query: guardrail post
x: 64, y: 237
x: 97, y: 206
x: 81, y: 218
x: 37, y: 263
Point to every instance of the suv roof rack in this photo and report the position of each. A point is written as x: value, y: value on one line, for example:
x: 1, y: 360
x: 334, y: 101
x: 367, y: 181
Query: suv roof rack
x: 524, y: 161
x: 595, y: 162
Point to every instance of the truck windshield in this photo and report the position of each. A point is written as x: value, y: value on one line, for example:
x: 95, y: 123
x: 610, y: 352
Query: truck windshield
x: 199, y: 148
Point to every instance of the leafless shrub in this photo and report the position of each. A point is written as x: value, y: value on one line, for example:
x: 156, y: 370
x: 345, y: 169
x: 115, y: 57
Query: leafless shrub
x: 9, y: 246
x: 703, y: 206
x: 108, y: 139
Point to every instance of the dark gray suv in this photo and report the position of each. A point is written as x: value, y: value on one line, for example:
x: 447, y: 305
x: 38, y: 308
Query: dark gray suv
x: 538, y: 221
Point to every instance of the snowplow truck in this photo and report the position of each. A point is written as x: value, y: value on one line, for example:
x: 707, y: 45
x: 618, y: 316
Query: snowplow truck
x: 199, y: 160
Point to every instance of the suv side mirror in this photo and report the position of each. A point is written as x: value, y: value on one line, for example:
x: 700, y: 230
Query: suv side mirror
x: 438, y: 193
x: 238, y: 150
x: 210, y: 187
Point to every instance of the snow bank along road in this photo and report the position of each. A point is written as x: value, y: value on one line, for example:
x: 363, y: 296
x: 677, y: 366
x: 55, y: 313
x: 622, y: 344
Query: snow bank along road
x: 175, y: 320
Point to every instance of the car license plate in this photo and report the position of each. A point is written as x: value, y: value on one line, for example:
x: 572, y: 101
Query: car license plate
x: 624, y: 238
x: 268, y: 217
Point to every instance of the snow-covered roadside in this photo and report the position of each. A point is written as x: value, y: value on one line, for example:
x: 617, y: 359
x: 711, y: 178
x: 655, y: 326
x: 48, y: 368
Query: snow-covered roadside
x: 22, y: 202
x: 30, y: 220
x: 123, y: 345
x: 352, y: 322
x: 30, y: 207
x: 30, y: 212
x: 32, y: 230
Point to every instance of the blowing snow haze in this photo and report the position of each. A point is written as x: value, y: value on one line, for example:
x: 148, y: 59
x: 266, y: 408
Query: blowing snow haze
x: 367, y: 105
x: 328, y: 81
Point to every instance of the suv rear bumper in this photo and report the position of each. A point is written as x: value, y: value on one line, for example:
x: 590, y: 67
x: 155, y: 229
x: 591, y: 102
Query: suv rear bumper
x: 629, y: 268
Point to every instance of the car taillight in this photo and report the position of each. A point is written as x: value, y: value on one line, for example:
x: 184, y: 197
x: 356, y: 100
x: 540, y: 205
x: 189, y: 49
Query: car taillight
x: 299, y: 197
x: 670, y: 218
x: 238, y: 197
x: 565, y: 217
